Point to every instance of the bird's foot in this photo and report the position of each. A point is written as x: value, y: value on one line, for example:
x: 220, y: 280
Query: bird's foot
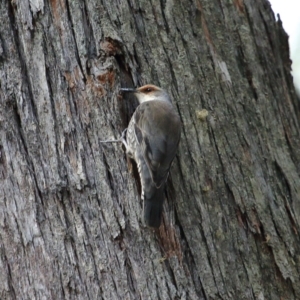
x: 122, y: 139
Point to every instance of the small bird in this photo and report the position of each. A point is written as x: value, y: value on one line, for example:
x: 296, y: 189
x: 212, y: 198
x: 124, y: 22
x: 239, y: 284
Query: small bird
x: 152, y: 140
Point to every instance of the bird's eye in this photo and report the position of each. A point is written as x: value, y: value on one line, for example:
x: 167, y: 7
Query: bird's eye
x: 148, y: 90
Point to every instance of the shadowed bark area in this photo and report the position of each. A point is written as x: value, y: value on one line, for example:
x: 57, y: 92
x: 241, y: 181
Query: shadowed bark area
x: 70, y: 211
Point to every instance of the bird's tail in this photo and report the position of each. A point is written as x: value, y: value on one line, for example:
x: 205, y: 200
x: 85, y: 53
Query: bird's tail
x: 153, y: 205
x: 152, y: 196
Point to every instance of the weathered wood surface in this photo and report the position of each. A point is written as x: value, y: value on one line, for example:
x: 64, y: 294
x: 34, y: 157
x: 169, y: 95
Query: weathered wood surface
x: 70, y: 214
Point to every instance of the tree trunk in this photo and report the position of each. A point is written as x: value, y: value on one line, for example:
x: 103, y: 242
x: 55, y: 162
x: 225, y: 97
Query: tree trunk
x: 70, y: 210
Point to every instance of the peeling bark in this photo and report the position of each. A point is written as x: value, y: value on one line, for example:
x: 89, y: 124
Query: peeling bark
x: 70, y: 211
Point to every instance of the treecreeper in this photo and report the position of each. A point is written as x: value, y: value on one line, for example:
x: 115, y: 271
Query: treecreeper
x: 151, y: 140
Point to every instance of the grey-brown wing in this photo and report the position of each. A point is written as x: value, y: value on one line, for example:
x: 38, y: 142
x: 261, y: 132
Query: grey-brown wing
x: 157, y: 129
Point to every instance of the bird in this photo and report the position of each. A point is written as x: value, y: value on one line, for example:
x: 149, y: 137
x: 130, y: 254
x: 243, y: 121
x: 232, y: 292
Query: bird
x: 152, y: 140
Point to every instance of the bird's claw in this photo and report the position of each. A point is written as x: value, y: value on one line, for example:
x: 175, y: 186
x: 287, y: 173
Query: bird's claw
x: 122, y: 139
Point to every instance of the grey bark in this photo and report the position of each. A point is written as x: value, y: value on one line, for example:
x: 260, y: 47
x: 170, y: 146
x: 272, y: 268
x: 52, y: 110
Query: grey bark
x: 70, y: 211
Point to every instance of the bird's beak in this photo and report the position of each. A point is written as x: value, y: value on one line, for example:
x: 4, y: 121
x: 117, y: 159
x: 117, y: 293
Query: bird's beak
x: 128, y: 90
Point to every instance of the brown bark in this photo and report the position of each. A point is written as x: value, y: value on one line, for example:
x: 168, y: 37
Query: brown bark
x: 70, y: 212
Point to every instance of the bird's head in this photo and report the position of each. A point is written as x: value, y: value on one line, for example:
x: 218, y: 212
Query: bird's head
x: 148, y: 92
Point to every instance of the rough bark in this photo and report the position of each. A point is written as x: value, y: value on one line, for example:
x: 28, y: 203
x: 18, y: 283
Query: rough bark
x: 70, y: 211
